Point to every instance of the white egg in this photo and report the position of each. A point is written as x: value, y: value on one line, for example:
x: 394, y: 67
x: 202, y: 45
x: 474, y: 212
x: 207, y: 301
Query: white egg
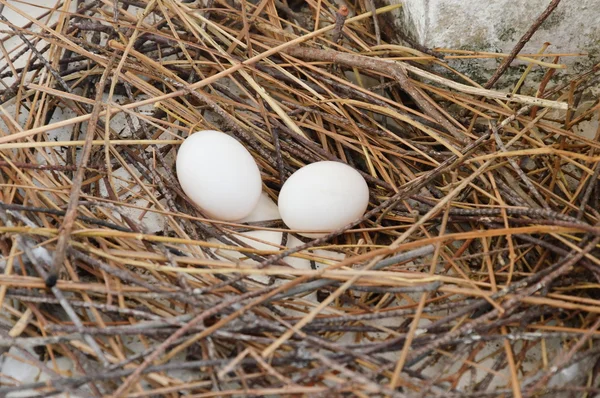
x: 266, y: 210
x: 219, y: 175
x: 323, y: 197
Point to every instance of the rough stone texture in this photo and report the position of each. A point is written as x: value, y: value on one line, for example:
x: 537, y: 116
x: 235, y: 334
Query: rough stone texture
x: 497, y: 25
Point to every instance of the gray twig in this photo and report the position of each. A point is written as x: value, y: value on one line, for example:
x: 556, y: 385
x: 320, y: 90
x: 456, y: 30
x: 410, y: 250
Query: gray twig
x: 318, y: 284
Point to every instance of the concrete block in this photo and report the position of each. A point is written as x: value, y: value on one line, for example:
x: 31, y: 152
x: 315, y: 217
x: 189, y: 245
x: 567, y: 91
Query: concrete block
x: 497, y: 25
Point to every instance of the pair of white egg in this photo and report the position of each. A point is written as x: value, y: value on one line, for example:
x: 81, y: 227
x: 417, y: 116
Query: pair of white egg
x: 222, y: 178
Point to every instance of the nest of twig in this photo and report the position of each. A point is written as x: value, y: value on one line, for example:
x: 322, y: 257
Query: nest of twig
x: 474, y: 272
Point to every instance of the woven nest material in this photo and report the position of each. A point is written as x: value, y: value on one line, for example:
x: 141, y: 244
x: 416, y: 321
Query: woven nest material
x: 475, y: 271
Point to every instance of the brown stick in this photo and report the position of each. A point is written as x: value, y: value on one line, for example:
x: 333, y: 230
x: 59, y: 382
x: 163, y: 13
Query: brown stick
x: 53, y: 167
x: 71, y: 215
x: 340, y: 18
x: 522, y: 41
x: 393, y: 69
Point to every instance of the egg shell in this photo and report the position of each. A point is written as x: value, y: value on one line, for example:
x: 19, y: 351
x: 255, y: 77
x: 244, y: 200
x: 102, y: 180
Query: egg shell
x: 266, y: 210
x: 323, y: 197
x: 219, y: 175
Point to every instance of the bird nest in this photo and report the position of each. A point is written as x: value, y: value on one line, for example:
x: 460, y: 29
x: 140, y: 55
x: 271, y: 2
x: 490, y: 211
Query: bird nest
x: 473, y: 273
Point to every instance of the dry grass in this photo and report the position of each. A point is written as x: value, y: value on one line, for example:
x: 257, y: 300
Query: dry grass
x: 494, y: 196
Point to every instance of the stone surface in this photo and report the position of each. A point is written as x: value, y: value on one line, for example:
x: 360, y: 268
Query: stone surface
x: 497, y: 25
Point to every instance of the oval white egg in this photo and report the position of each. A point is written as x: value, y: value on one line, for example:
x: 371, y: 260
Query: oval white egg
x: 323, y: 197
x: 266, y: 210
x: 219, y: 175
